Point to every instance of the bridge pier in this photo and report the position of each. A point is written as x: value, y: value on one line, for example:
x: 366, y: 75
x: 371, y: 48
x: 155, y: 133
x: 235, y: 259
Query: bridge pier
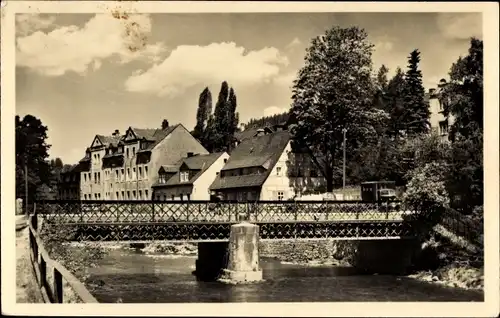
x: 234, y: 262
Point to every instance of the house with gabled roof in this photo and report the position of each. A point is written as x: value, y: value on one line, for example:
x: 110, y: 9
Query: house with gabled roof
x: 190, y: 178
x: 68, y: 184
x: 124, y: 167
x: 264, y: 167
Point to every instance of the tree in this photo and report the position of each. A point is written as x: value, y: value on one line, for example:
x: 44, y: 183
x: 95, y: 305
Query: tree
x: 381, y: 87
x: 224, y: 122
x: 416, y: 113
x: 463, y: 99
x: 164, y: 124
x: 395, y: 104
x: 334, y: 90
x: 203, y: 114
x: 31, y: 153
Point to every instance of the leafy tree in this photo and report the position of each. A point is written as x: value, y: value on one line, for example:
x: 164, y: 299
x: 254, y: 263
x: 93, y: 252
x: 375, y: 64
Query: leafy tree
x: 31, y: 152
x: 463, y: 98
x: 416, y: 115
x: 334, y: 90
x: 203, y: 113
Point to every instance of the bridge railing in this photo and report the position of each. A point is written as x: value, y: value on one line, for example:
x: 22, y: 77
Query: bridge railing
x: 460, y: 225
x: 64, y: 211
x: 56, y: 283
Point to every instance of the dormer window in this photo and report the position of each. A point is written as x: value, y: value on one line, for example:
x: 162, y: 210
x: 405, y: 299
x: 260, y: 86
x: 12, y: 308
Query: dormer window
x: 184, y: 175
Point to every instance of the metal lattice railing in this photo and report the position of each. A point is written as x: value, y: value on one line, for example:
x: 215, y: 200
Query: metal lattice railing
x: 209, y: 221
x: 137, y: 212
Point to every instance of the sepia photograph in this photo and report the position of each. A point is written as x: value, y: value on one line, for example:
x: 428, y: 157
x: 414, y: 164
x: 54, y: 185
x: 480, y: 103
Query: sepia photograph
x: 244, y: 156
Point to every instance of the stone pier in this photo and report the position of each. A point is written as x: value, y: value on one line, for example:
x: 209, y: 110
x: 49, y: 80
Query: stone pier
x: 235, y: 262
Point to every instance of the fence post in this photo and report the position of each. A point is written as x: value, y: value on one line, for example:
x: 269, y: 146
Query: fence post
x: 152, y: 210
x: 42, y: 267
x: 57, y: 286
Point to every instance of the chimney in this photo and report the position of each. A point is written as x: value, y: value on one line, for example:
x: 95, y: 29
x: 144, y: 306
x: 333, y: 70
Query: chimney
x: 116, y: 133
x: 190, y: 154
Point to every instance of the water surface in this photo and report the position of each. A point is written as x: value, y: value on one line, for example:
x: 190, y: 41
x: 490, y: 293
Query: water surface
x: 133, y: 277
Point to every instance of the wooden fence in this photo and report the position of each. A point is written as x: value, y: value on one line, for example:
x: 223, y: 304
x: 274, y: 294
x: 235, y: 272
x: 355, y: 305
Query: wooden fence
x: 56, y: 283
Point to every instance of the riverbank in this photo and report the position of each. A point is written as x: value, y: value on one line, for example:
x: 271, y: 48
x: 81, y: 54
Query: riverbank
x: 454, y: 275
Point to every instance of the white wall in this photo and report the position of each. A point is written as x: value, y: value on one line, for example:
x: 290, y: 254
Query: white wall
x: 282, y: 182
x: 201, y: 185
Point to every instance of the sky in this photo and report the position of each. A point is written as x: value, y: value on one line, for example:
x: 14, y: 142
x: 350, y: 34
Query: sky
x: 88, y: 74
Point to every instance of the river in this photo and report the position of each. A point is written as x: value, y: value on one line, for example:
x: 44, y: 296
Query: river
x: 130, y: 276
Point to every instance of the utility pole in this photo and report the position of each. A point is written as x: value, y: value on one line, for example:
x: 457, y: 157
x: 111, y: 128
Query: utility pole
x: 343, y: 168
x: 26, y: 184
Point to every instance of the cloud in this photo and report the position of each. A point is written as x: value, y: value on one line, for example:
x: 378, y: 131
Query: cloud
x: 28, y: 23
x: 460, y: 26
x: 383, y: 45
x: 77, y: 49
x: 190, y: 65
x: 285, y: 79
x: 295, y: 42
x: 273, y: 110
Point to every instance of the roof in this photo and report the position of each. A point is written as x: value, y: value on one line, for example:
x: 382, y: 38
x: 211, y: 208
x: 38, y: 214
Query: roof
x: 147, y: 133
x: 169, y: 168
x: 256, y: 151
x: 109, y: 140
x: 198, y: 163
x: 157, y: 136
x: 249, y: 133
x: 247, y: 181
x: 262, y: 151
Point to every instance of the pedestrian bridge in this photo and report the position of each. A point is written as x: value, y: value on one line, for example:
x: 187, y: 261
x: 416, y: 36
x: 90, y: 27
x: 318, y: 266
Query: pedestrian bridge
x: 206, y: 221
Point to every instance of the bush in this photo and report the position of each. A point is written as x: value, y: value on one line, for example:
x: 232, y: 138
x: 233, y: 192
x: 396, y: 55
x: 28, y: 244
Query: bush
x: 426, y: 195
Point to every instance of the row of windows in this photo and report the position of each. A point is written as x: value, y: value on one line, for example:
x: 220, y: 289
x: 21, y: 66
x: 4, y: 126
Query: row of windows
x: 119, y: 175
x: 120, y: 195
x: 181, y: 197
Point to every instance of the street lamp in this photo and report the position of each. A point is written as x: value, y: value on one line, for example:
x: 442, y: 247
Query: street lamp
x: 344, y: 130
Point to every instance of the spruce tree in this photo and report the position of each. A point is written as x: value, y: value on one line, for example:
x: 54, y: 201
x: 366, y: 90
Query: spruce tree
x: 416, y: 118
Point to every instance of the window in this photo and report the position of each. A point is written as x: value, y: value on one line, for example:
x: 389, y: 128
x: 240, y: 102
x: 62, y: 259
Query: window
x: 140, y: 194
x: 184, y: 176
x: 123, y: 195
x: 280, y: 196
x: 117, y: 174
x: 278, y: 171
x: 84, y: 177
x: 117, y: 195
x: 145, y: 172
x: 443, y: 127
x: 127, y: 153
x: 95, y: 177
x: 85, y: 197
x: 111, y: 186
x: 133, y: 173
x: 140, y: 172
x: 146, y: 194
x: 133, y: 151
x: 129, y: 175
x: 128, y: 195
x: 122, y: 177
x: 188, y: 196
x: 173, y: 197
